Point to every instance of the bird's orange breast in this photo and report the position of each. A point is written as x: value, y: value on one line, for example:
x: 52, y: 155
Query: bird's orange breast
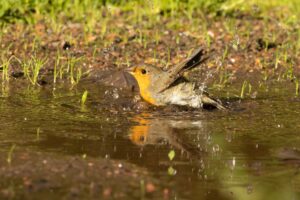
x: 147, y: 96
x: 144, y: 83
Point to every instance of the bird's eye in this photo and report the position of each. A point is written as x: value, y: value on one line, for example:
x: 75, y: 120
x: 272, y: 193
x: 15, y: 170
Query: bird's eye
x: 143, y: 71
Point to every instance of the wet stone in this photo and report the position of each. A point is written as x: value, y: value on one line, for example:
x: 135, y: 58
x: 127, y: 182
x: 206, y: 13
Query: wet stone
x: 262, y: 44
x: 17, y: 74
x: 42, y: 82
x: 118, y: 40
x: 67, y: 46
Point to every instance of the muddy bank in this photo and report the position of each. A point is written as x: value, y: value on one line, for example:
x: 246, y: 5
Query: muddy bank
x: 247, y: 46
x: 32, y: 175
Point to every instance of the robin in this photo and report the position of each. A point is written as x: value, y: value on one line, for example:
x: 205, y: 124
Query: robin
x: 160, y: 88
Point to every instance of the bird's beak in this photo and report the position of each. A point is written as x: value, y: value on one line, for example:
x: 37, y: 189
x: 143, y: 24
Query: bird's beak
x: 130, y: 70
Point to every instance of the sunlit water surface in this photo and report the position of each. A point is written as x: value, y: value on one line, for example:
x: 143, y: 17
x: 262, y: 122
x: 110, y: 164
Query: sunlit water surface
x: 249, y: 152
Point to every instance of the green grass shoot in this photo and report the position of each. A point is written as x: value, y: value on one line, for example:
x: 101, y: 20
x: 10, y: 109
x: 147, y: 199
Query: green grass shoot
x: 171, y: 155
x: 297, y: 87
x: 10, y: 153
x: 84, y: 97
x: 242, y: 95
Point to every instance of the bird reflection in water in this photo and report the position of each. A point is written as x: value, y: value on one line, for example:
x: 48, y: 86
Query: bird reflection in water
x: 151, y: 130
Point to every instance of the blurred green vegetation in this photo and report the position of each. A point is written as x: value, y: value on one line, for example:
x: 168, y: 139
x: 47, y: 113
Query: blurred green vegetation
x: 32, y: 11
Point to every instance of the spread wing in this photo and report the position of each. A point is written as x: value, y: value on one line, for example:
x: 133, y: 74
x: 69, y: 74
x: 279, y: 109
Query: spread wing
x: 177, y: 71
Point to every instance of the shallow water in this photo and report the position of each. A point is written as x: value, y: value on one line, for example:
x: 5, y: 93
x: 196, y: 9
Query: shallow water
x: 249, y: 152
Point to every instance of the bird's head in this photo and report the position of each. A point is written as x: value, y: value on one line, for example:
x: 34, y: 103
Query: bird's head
x: 145, y: 75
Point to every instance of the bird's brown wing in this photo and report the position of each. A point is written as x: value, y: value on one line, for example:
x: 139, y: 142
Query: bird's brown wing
x: 177, y: 71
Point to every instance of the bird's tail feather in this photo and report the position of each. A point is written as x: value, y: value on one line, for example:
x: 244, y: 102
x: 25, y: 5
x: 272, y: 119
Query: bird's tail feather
x: 207, y: 101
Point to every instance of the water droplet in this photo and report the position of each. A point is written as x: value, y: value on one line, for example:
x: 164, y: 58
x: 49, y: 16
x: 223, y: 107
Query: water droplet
x: 115, y: 94
x: 249, y: 189
x: 216, y: 148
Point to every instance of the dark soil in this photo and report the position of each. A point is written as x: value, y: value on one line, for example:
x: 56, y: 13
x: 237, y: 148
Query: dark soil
x: 50, y: 176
